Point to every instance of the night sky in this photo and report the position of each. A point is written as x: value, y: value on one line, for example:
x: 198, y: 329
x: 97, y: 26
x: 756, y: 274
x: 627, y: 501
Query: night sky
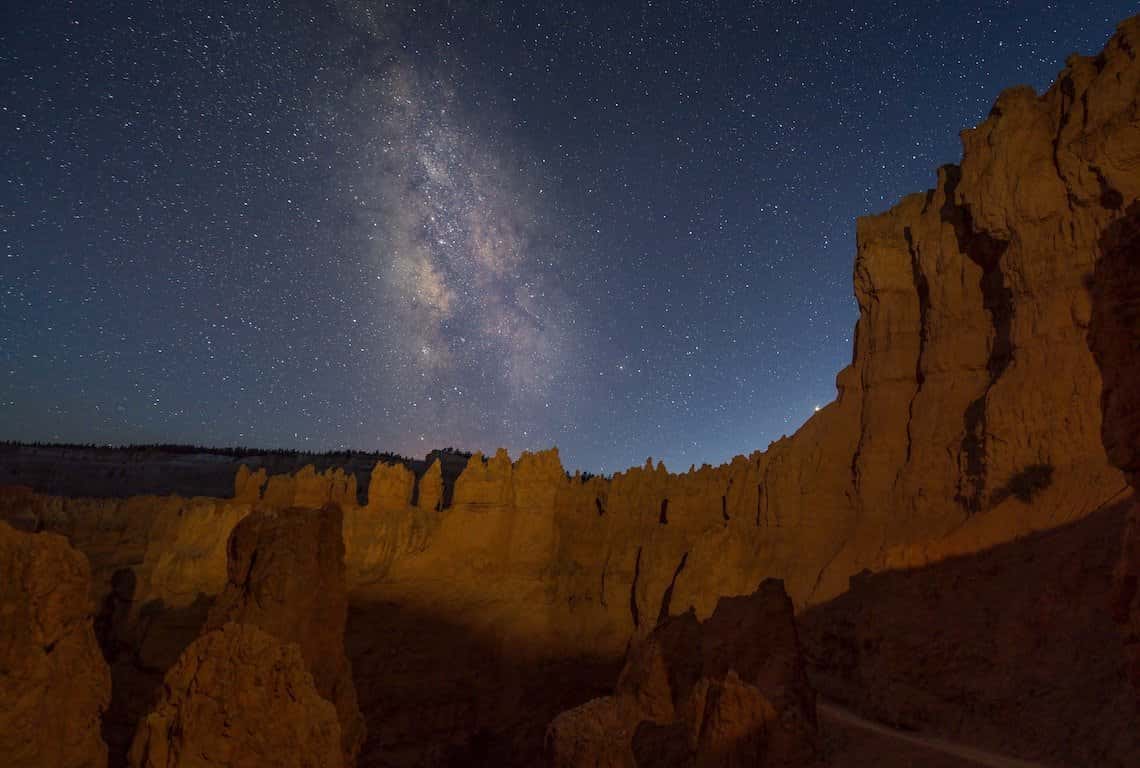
x: 626, y: 229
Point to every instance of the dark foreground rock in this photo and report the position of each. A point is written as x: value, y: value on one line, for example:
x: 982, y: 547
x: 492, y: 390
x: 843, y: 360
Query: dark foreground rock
x: 54, y: 684
x: 731, y: 690
x: 1012, y: 650
x: 1114, y: 337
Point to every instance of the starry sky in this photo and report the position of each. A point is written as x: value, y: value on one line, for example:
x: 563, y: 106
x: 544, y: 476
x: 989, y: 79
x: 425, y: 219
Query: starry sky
x: 626, y: 229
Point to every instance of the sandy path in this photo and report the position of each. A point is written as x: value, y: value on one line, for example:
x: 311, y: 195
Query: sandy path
x: 980, y: 757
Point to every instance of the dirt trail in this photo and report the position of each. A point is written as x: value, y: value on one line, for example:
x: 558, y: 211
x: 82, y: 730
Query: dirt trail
x: 835, y: 713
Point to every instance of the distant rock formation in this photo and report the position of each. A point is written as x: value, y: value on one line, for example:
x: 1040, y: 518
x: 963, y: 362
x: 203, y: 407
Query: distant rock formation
x: 239, y: 698
x: 731, y: 690
x: 286, y: 576
x: 54, y: 684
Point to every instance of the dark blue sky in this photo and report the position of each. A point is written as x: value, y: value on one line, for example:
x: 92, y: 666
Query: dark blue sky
x: 623, y: 228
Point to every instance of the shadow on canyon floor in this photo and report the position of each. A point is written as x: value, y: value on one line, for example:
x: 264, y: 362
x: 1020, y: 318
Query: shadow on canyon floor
x: 433, y: 693
x: 1012, y: 649
x: 140, y: 651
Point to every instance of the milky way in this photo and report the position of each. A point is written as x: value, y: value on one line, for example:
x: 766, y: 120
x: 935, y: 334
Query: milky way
x: 625, y: 229
x: 465, y: 278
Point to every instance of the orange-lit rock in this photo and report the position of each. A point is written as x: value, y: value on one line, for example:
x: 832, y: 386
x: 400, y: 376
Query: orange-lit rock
x: 239, y: 698
x: 390, y: 525
x: 309, y: 489
x: 431, y: 488
x: 286, y: 576
x: 249, y: 484
x: 390, y: 487
x: 54, y: 684
x: 185, y: 556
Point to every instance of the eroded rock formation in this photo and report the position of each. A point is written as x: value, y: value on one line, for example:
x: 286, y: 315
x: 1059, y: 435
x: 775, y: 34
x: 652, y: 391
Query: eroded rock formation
x: 239, y: 698
x: 731, y: 690
x: 54, y: 684
x: 286, y: 576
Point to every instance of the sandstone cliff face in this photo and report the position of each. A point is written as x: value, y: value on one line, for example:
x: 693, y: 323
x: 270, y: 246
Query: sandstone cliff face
x: 728, y: 691
x: 239, y: 698
x: 54, y: 684
x: 286, y: 576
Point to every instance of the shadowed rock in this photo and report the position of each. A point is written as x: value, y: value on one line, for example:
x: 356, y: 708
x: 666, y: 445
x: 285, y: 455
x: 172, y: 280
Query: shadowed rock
x: 1011, y: 650
x: 1114, y: 337
x: 54, y: 684
x: 727, y: 691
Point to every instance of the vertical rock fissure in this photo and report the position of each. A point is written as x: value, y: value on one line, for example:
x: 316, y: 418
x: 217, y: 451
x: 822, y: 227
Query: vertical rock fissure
x: 997, y: 299
x: 855, y: 456
x: 602, y: 592
x: 448, y: 493
x: 855, y: 463
x: 633, y: 591
x: 922, y: 289
x: 667, y: 598
x: 1110, y: 198
x: 415, y: 500
x: 724, y: 507
x: 1068, y: 98
x: 663, y: 518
